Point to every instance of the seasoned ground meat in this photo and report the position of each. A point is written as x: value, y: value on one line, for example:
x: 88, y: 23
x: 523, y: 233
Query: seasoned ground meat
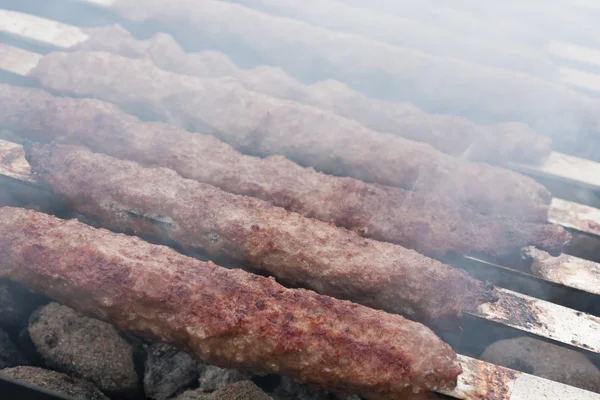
x: 224, y: 317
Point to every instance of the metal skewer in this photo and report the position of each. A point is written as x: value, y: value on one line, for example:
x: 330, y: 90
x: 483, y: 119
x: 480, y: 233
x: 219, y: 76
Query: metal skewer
x: 483, y: 381
x: 575, y: 216
x: 544, y: 319
x: 542, y: 272
x: 480, y: 380
x: 566, y: 270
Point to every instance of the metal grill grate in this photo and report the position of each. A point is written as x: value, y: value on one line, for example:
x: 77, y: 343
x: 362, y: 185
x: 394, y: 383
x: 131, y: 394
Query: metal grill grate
x: 515, y: 310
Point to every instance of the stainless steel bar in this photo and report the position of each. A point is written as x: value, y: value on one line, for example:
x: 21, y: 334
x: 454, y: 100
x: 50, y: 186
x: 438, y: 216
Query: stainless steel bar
x: 542, y: 270
x: 544, y: 319
x: 40, y: 30
x: 565, y: 270
x: 480, y: 380
x: 17, y: 61
x: 13, y: 163
x: 504, y: 314
x: 484, y: 381
x: 575, y: 216
x: 564, y: 167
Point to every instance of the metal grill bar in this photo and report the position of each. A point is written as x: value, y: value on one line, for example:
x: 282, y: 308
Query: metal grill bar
x: 13, y: 163
x: 41, y: 30
x: 549, y: 328
x: 17, y: 61
x: 480, y: 380
x: 576, y: 216
x: 544, y: 319
x: 564, y: 167
x: 484, y: 381
x: 566, y: 270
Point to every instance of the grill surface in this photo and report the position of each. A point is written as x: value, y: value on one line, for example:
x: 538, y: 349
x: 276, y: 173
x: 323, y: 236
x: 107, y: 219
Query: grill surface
x: 515, y: 310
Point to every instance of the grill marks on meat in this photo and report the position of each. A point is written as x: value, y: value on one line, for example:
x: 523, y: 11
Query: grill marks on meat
x: 449, y: 134
x: 259, y: 124
x: 293, y: 248
x: 422, y: 221
x: 225, y: 317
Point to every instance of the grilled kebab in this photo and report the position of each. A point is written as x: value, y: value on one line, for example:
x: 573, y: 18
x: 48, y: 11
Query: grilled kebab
x: 259, y: 124
x: 438, y: 84
x: 422, y: 221
x: 158, y: 203
x: 453, y: 135
x: 224, y: 317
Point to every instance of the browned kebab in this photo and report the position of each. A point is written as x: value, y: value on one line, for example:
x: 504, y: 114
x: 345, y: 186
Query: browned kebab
x: 426, y: 222
x: 159, y: 204
x: 450, y: 134
x: 230, y: 318
x: 262, y: 125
